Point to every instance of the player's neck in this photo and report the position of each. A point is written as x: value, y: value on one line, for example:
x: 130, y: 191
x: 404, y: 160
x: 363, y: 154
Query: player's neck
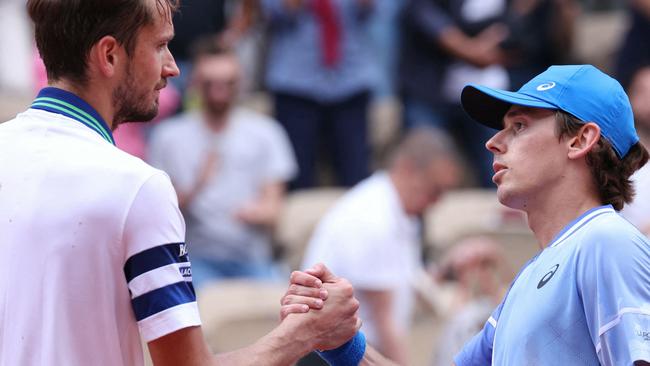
x: 98, y: 99
x: 549, y: 217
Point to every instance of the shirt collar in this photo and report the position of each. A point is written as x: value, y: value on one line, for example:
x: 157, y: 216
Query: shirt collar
x: 579, y: 222
x: 65, y: 103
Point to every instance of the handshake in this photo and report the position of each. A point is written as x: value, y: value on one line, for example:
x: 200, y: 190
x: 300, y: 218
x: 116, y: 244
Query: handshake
x: 323, y: 306
x: 321, y: 313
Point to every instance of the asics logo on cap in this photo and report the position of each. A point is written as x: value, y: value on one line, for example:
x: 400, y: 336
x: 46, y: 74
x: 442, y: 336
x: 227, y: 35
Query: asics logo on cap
x: 546, y: 86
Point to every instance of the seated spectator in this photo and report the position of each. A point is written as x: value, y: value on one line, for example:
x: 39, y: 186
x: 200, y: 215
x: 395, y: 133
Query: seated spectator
x: 229, y: 166
x: 477, y: 267
x: 372, y: 235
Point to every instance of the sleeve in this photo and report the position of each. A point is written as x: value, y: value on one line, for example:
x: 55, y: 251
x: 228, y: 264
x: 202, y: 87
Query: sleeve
x: 157, y: 267
x: 613, y: 277
x: 478, y: 350
x: 427, y: 17
x: 281, y: 163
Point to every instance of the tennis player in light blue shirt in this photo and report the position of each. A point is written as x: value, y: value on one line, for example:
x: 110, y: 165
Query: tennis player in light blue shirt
x: 572, y: 305
x: 565, y: 149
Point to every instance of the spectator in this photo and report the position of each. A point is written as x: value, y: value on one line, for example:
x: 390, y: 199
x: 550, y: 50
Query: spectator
x: 229, y: 166
x: 371, y: 236
x: 499, y: 43
x: 320, y: 73
x: 477, y: 266
x: 638, y: 212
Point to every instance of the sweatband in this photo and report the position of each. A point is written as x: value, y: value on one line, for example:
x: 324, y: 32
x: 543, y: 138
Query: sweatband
x: 348, y: 354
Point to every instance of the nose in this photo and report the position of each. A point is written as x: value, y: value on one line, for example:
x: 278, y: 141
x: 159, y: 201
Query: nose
x: 170, y: 69
x: 495, y: 144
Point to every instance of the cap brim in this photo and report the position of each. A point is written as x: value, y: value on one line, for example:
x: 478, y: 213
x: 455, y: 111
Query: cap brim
x: 488, y: 106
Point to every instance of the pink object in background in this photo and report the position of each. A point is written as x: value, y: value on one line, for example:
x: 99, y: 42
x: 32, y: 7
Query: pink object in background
x: 129, y: 137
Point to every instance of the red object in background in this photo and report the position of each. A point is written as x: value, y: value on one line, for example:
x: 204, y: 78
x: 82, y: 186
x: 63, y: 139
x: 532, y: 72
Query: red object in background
x: 330, y: 31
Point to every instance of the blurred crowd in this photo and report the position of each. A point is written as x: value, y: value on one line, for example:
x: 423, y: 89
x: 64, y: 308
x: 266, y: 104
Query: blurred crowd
x: 277, y: 97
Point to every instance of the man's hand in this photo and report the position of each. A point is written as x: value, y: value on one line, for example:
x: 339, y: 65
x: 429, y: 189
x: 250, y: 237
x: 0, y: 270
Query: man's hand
x: 335, y: 320
x: 306, y: 290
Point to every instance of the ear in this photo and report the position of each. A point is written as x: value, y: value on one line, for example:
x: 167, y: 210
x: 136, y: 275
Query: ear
x: 106, y: 55
x: 582, y: 143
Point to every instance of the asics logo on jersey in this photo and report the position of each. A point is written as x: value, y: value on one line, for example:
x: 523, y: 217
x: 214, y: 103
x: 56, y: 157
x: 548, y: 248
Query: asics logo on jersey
x: 546, y: 86
x: 182, y: 250
x: 547, y: 277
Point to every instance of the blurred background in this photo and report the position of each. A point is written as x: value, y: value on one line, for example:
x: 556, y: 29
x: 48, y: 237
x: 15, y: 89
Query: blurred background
x: 289, y: 115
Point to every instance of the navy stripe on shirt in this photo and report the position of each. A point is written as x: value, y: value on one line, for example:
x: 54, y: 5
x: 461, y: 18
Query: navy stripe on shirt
x: 162, y: 299
x: 153, y: 258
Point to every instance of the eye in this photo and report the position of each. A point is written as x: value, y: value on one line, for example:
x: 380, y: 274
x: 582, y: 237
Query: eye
x: 518, y: 126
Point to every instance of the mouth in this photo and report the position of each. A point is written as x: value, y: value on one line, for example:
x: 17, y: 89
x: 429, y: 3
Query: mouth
x: 161, y: 86
x: 497, y: 167
x: 499, y: 170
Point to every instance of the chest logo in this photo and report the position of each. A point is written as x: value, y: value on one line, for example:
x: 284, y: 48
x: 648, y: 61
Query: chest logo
x: 547, y: 277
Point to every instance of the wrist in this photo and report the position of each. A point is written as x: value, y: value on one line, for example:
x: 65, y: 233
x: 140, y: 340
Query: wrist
x: 348, y: 354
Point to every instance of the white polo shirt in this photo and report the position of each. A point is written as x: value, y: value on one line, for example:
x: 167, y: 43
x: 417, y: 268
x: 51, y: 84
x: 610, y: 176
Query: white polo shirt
x: 368, y: 238
x: 91, y: 242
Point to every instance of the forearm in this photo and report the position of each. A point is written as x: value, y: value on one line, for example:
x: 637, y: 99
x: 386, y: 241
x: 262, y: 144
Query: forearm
x: 456, y: 43
x: 185, y: 198
x: 282, y: 346
x: 392, y: 345
x: 266, y: 209
x: 373, y: 358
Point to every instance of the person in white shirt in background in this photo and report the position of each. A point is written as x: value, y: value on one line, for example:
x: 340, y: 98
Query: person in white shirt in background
x: 372, y: 235
x: 229, y: 166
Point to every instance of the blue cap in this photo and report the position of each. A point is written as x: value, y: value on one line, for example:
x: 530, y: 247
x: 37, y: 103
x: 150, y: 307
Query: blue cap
x: 581, y: 90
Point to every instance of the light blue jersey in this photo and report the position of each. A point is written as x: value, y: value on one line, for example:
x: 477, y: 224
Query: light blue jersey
x: 584, y: 300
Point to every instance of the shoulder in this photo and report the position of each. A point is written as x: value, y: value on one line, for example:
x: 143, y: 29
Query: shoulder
x: 611, y: 239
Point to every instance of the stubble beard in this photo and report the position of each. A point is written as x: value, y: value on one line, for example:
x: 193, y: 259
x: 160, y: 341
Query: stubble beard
x: 132, y: 104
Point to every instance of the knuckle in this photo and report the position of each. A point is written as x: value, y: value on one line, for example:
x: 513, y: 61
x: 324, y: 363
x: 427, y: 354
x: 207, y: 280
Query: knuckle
x: 347, y: 289
x: 354, y: 306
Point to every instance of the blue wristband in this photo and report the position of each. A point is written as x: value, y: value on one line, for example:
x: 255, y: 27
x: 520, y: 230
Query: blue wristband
x: 348, y: 354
